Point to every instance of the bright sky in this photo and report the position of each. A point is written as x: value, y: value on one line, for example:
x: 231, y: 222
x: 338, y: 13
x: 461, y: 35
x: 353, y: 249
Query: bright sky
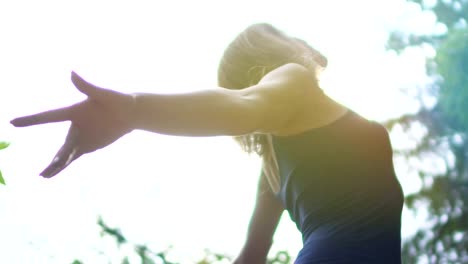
x: 192, y: 193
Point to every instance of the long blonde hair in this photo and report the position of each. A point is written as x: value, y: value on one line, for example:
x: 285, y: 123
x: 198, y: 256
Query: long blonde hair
x: 259, y: 49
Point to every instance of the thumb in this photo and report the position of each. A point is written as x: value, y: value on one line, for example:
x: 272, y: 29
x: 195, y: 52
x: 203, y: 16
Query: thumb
x: 89, y: 89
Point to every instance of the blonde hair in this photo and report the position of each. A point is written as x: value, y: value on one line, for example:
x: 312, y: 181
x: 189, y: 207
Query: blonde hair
x: 259, y: 49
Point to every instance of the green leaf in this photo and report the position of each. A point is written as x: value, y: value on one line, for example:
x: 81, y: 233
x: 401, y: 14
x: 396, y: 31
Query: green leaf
x: 4, y: 144
x: 2, y: 181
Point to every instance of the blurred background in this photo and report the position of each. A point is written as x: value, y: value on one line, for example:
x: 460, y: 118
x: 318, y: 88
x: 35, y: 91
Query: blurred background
x: 151, y: 198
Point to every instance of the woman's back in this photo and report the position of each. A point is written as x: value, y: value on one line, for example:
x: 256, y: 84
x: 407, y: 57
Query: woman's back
x: 339, y: 186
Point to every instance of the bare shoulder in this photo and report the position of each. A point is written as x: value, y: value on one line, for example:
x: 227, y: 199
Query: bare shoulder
x: 290, y: 72
x: 291, y: 81
x: 303, y: 102
x: 280, y: 97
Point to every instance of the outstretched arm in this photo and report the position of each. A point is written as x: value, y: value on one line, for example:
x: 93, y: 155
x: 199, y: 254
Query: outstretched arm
x: 264, y: 108
x: 107, y: 115
x: 265, y: 218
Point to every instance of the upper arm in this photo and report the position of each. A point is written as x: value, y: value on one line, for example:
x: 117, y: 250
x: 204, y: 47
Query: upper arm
x: 266, y: 107
x: 277, y: 99
x: 267, y: 211
x: 266, y: 198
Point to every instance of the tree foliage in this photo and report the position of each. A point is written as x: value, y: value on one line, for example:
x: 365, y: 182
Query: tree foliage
x: 444, y: 191
x: 150, y: 256
x: 2, y: 146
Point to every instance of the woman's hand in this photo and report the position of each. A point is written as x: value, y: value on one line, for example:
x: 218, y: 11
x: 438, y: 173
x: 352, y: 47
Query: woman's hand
x: 96, y: 122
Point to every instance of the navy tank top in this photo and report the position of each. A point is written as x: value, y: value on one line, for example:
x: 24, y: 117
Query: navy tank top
x: 338, y: 185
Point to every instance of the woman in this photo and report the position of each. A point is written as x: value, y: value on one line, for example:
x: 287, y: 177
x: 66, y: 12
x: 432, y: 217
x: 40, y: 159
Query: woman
x: 328, y: 167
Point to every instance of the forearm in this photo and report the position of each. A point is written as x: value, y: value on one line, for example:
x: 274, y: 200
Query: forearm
x: 203, y: 113
x: 262, y: 226
x: 254, y: 252
x: 248, y: 256
x: 260, y: 234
